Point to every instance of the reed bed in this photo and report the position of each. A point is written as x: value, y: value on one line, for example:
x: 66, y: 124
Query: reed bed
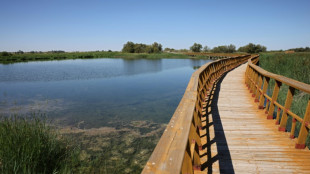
x: 30, y: 145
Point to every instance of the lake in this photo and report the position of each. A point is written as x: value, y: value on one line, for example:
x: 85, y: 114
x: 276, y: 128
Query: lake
x: 118, y: 107
x: 96, y: 91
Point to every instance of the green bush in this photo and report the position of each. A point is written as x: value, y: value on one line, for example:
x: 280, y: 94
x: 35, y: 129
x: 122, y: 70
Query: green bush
x: 4, y: 54
x: 29, y: 145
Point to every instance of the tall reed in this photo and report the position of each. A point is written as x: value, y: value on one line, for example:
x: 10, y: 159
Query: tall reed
x: 30, y: 145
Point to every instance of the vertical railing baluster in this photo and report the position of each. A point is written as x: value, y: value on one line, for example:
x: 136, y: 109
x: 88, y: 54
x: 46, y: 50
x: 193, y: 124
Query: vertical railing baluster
x: 187, y: 166
x: 301, y: 141
x: 278, y: 116
x: 292, y: 135
x: 251, y: 80
x: 253, y: 89
x: 246, y: 73
x: 249, y: 77
x: 287, y: 106
x: 259, y: 85
x: 262, y: 95
x: 273, y: 99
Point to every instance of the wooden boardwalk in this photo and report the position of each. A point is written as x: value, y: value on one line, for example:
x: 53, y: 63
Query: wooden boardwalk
x: 238, y: 138
x: 227, y: 122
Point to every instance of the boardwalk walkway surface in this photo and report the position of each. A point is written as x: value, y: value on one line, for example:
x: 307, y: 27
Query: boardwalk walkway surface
x: 240, y: 138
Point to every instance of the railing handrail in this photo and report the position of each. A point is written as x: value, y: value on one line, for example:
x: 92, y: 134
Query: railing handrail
x: 176, y: 150
x: 257, y: 79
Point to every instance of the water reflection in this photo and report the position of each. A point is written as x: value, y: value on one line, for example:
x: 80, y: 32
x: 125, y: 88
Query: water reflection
x: 139, y: 66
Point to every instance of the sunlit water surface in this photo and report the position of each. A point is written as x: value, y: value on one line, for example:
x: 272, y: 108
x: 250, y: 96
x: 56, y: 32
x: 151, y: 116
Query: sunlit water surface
x: 97, y: 92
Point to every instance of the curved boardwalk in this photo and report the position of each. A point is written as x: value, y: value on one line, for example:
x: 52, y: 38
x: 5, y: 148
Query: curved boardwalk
x: 240, y: 138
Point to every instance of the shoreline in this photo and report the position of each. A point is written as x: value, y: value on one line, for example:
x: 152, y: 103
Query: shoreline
x: 27, y: 57
x: 46, y: 56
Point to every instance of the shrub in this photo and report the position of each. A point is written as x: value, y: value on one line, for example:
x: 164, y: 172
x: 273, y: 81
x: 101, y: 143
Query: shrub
x: 4, y: 53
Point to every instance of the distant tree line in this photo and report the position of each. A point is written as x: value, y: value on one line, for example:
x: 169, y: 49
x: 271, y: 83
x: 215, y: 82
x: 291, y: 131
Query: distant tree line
x: 170, y: 50
x: 224, y: 49
x: 301, y: 49
x: 250, y: 48
x: 56, y: 51
x: 131, y: 47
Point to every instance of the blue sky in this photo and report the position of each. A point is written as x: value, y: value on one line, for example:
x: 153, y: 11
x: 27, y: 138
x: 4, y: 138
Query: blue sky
x: 84, y: 25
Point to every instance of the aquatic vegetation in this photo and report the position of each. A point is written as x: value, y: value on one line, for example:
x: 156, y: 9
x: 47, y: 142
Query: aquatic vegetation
x: 30, y: 145
x: 110, y: 150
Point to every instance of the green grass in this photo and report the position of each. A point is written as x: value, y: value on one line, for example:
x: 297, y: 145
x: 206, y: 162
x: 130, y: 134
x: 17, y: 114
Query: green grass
x: 29, y: 145
x: 295, y: 66
x: 12, y: 58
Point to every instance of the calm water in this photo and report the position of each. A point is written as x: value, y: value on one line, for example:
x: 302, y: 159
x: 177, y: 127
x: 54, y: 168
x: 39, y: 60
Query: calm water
x: 99, y: 92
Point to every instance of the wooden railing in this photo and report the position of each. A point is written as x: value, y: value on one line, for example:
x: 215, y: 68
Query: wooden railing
x: 178, y: 149
x: 258, y: 80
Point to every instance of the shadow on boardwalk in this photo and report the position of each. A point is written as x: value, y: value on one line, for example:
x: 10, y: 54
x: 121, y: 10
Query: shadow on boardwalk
x: 223, y: 157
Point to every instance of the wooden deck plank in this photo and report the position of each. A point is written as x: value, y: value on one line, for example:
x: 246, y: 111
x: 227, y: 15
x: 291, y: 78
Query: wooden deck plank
x: 238, y: 138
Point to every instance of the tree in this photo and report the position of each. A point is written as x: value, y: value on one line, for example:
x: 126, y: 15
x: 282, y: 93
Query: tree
x: 252, y: 48
x: 196, y: 47
x: 206, y: 49
x: 224, y: 49
x: 19, y: 52
x: 231, y: 48
x: 129, y: 47
x: 140, y: 48
x: 157, y: 48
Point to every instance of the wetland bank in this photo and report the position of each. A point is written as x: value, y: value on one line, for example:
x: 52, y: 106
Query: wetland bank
x: 114, y: 109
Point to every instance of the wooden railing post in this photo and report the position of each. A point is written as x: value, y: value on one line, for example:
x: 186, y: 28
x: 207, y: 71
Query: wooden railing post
x: 262, y: 95
x: 252, y: 79
x: 273, y: 99
x: 278, y: 116
x: 259, y: 85
x: 187, y: 162
x: 249, y: 78
x: 301, y: 141
x: 254, y: 83
x: 287, y: 106
x: 292, y: 134
x: 195, y: 146
x: 247, y: 72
